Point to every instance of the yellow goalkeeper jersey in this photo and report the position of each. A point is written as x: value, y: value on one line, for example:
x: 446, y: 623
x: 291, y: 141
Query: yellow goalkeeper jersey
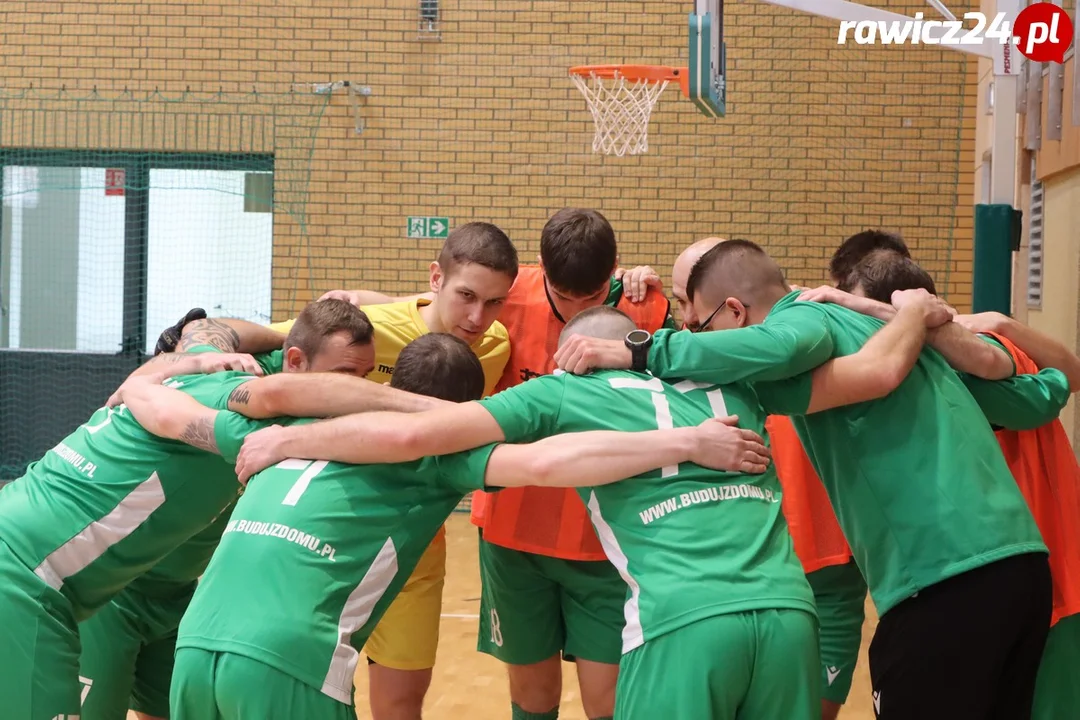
x: 398, y: 324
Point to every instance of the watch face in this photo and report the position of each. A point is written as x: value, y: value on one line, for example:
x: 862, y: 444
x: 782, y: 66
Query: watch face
x: 637, y: 337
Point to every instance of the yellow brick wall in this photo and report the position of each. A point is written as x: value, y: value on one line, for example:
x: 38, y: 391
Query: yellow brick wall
x: 820, y: 141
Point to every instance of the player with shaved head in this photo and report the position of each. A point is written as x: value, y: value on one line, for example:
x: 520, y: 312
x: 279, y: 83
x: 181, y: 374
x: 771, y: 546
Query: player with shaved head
x: 839, y: 588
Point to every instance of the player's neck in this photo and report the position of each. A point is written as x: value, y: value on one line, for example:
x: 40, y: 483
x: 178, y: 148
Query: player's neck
x: 768, y: 298
x: 430, y: 315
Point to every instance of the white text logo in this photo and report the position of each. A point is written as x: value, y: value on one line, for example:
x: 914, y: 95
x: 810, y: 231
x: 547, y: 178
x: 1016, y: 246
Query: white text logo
x: 1042, y: 32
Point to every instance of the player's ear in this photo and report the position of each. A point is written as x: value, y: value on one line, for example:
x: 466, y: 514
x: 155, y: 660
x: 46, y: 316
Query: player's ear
x: 435, y: 277
x: 738, y: 312
x: 295, y: 361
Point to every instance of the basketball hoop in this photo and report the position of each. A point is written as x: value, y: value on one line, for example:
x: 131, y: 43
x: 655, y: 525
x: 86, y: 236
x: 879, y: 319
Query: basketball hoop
x: 621, y: 99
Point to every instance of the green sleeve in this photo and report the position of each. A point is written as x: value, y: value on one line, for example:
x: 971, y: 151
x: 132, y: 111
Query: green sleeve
x: 530, y: 411
x: 464, y: 471
x: 201, y: 349
x: 791, y: 343
x: 272, y: 362
x: 615, y: 291
x: 1022, y: 402
x: 231, y: 428
x: 786, y: 397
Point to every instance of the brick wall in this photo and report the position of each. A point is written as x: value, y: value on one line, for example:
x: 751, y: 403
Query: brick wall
x: 820, y: 141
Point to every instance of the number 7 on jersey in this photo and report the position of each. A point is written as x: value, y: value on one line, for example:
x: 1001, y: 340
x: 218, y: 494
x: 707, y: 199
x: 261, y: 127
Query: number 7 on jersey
x: 660, y: 402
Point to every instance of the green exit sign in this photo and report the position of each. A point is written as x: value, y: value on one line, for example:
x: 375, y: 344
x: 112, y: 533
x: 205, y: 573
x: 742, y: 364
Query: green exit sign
x: 427, y: 227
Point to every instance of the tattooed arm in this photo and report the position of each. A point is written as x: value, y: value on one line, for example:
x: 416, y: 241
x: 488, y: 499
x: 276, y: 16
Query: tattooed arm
x: 229, y: 335
x: 170, y: 414
x: 167, y: 365
x: 232, y: 337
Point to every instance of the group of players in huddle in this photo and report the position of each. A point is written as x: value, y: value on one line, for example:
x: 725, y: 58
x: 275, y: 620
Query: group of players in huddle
x: 256, y: 507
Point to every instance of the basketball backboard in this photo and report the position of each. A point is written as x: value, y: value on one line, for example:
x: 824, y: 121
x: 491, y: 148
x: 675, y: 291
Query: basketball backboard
x: 707, y: 57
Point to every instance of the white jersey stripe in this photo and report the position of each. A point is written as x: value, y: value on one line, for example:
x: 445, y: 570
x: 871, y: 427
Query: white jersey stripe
x: 96, y: 538
x: 356, y: 612
x: 632, y: 634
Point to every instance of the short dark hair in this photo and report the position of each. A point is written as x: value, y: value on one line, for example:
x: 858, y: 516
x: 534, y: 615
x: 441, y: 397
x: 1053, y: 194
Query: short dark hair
x: 602, y: 321
x: 326, y: 318
x: 857, y: 247
x: 736, y: 251
x: 439, y: 365
x: 884, y: 271
x: 480, y: 243
x: 577, y: 248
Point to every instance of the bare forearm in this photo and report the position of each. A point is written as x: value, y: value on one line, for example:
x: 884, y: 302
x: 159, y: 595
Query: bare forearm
x: 587, y: 459
x: 370, y: 297
x: 322, y: 395
x: 967, y: 353
x: 360, y: 298
x: 169, y: 365
x: 1045, y: 351
x: 868, y: 306
x: 387, y: 437
x: 171, y: 414
x: 229, y: 335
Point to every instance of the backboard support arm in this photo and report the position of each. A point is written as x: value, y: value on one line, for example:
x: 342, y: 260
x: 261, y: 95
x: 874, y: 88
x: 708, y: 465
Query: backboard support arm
x: 940, y: 7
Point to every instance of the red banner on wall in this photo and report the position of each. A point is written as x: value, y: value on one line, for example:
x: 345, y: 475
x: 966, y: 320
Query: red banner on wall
x: 114, y: 181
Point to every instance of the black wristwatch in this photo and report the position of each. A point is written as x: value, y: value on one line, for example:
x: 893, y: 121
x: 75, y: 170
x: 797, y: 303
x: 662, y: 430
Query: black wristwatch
x: 639, y: 342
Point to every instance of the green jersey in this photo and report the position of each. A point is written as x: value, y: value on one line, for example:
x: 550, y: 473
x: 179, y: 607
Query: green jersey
x: 174, y: 575
x: 689, y: 542
x: 111, y: 499
x: 180, y: 569
x: 321, y: 549
x: 1025, y: 402
x: 917, y: 479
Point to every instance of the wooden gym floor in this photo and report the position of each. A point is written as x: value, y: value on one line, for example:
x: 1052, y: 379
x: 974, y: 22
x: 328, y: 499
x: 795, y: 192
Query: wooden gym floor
x: 468, y: 685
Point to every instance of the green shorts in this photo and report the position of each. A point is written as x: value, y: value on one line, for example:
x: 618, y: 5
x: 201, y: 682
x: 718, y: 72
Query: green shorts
x: 533, y: 607
x: 749, y: 665
x: 840, y: 595
x: 1057, y: 693
x: 127, y: 652
x: 225, y: 686
x: 39, y: 646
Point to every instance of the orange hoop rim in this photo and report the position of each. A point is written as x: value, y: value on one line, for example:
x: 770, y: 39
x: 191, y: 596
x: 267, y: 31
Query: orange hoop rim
x: 637, y: 73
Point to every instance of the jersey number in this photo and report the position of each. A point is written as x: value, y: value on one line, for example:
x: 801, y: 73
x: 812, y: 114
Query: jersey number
x: 310, y: 470
x: 108, y: 418
x: 664, y: 420
x: 122, y: 408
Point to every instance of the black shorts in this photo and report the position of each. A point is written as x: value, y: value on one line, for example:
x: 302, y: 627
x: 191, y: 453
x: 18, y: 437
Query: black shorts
x: 968, y: 647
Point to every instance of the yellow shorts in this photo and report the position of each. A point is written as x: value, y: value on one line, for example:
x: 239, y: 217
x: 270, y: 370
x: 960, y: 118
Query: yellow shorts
x: 407, y: 636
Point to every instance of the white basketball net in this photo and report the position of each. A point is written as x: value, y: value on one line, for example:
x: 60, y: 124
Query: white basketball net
x: 621, y: 109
